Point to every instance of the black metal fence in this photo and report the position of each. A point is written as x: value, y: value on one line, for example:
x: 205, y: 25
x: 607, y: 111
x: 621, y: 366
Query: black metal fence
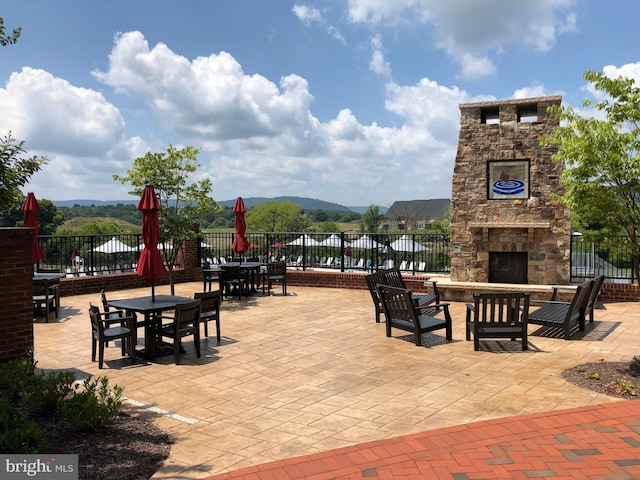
x: 589, y: 260
x: 344, y: 251
x: 103, y: 254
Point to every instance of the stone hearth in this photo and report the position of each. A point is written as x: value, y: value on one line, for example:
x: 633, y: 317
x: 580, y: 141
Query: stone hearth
x: 502, y: 189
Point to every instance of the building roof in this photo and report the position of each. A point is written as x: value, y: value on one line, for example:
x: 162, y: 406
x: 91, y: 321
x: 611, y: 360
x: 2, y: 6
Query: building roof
x: 435, y: 209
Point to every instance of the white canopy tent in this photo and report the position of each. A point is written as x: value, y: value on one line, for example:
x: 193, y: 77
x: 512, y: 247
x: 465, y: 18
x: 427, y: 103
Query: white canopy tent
x: 365, y: 241
x: 406, y: 244
x: 114, y: 246
x: 304, y: 240
x: 334, y: 241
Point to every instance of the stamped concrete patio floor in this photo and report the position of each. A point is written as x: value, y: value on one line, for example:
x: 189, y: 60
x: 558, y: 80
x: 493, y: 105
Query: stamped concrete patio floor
x: 309, y: 386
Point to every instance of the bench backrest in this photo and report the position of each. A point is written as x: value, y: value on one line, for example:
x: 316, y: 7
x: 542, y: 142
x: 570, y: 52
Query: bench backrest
x: 393, y: 278
x: 595, y: 291
x: 579, y: 301
x: 501, y: 309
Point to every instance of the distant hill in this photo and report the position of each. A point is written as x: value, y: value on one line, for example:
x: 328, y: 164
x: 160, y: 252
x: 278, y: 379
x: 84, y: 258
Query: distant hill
x: 302, y: 202
x: 361, y: 210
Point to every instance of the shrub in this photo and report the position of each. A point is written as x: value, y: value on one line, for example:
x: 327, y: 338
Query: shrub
x: 48, y: 390
x: 18, y: 434
x: 95, y: 407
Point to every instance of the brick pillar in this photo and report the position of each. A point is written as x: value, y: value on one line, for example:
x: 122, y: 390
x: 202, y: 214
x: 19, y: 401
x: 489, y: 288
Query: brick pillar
x: 16, y: 291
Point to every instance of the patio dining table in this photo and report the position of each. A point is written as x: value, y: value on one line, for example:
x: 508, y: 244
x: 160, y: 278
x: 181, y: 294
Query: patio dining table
x: 252, y: 267
x: 151, y: 308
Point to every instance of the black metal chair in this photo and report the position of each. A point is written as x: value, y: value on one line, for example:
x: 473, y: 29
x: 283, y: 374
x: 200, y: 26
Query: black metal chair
x: 210, y: 310
x: 209, y: 276
x: 102, y: 334
x: 44, y: 300
x: 276, y: 273
x: 233, y: 280
x: 186, y: 322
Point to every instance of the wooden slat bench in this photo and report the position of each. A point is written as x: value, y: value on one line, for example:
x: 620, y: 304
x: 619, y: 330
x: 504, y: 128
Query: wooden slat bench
x: 393, y: 278
x: 563, y: 314
x: 401, y: 312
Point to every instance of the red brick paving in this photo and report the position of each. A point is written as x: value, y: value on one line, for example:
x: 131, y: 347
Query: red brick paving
x: 598, y: 442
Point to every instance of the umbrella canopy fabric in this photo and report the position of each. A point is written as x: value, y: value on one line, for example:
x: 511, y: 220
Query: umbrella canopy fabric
x: 406, y: 244
x: 30, y: 210
x: 114, y: 246
x: 365, y: 241
x: 304, y: 240
x: 279, y: 245
x: 334, y: 241
x: 240, y: 244
x: 253, y: 245
x: 150, y: 265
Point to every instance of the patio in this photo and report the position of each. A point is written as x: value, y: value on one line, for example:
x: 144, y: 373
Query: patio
x: 311, y: 372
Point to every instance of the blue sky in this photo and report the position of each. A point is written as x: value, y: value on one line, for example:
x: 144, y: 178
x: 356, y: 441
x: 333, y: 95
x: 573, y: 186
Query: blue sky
x: 350, y: 101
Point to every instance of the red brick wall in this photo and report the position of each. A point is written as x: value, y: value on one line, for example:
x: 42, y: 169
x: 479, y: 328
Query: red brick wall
x: 619, y: 292
x: 16, y: 291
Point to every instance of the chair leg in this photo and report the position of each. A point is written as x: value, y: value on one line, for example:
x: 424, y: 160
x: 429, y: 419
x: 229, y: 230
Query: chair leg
x: 218, y: 329
x: 196, y: 341
x: 93, y: 349
x: 100, y: 354
x: 206, y: 328
x: 176, y: 349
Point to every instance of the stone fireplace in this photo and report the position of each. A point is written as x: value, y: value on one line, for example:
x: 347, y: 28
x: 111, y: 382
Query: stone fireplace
x: 505, y: 225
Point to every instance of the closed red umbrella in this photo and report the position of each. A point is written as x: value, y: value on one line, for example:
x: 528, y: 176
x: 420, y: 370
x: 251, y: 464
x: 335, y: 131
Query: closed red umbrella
x: 240, y: 244
x: 30, y: 209
x: 150, y: 266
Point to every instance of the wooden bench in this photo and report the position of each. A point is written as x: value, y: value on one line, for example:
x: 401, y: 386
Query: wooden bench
x: 593, y: 296
x: 393, y: 278
x: 401, y: 312
x: 498, y: 315
x: 563, y: 314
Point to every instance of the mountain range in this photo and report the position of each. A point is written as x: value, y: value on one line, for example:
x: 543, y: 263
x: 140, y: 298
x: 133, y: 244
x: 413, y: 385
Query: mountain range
x: 302, y: 202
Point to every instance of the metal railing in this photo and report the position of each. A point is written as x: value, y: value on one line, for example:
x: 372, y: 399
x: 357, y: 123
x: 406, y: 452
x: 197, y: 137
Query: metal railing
x: 343, y: 251
x: 103, y: 254
x: 589, y: 260
x: 79, y: 255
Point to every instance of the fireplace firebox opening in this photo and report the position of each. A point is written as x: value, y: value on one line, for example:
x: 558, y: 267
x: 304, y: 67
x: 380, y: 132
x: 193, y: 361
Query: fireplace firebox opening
x: 508, y: 267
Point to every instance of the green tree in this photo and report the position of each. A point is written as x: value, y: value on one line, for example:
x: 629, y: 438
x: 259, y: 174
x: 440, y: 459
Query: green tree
x: 602, y: 178
x: 15, y: 170
x: 8, y: 39
x: 274, y: 216
x: 328, y: 226
x: 371, y: 219
x: 183, y: 204
x: 49, y: 218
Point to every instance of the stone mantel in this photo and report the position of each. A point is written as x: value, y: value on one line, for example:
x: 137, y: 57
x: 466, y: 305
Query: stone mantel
x: 530, y: 226
x: 527, y: 225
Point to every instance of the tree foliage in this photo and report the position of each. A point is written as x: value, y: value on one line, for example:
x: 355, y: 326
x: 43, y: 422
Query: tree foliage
x: 274, y: 216
x: 8, y: 39
x: 49, y: 217
x: 15, y: 170
x: 371, y: 219
x: 183, y: 204
x: 602, y: 178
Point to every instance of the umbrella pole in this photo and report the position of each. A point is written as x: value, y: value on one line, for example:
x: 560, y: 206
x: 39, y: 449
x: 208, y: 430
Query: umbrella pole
x: 153, y: 291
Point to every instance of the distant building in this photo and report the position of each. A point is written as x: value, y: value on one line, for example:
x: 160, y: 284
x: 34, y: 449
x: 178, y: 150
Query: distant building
x: 415, y: 214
